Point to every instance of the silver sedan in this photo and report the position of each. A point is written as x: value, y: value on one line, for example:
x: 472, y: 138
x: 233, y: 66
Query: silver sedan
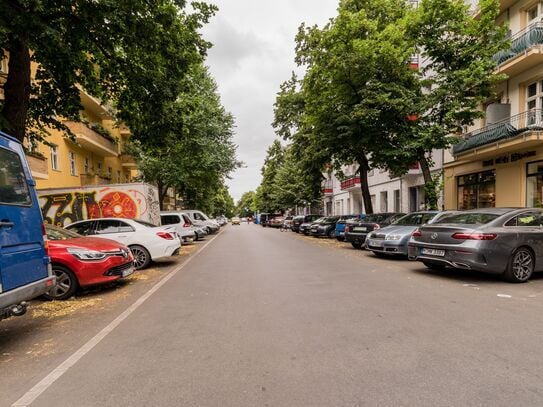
x: 393, y: 239
x: 505, y: 241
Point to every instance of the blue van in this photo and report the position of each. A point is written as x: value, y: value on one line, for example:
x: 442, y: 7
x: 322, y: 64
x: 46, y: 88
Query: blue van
x: 25, y: 268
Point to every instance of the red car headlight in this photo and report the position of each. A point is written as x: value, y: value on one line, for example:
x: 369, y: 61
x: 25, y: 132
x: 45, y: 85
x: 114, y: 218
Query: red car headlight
x: 85, y: 254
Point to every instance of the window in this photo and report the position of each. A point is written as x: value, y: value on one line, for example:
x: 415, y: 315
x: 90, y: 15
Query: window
x: 534, y: 103
x: 86, y: 165
x: 384, y: 201
x: 54, y: 157
x: 477, y: 190
x: 372, y: 199
x: 13, y: 186
x: 83, y: 228
x: 532, y: 13
x: 110, y: 172
x: 397, y: 200
x: 529, y: 219
x: 169, y: 220
x: 71, y: 158
x: 534, y: 184
x: 108, y: 226
x: 119, y: 176
x: 126, y: 178
x: 99, y: 167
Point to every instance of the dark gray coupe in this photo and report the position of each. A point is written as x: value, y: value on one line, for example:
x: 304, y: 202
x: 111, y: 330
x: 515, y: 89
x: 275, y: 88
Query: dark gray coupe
x: 506, y: 241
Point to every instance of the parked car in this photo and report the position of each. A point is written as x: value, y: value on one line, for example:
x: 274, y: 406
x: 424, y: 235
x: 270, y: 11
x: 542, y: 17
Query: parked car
x: 266, y: 218
x: 25, y: 269
x: 287, y: 222
x: 181, y: 223
x: 340, y: 225
x: 326, y: 227
x: 79, y: 261
x: 356, y: 230
x: 392, y: 240
x: 146, y: 241
x: 276, y: 222
x: 305, y: 227
x: 505, y: 241
x: 221, y: 220
x: 297, y: 221
x: 236, y: 221
x: 199, y: 218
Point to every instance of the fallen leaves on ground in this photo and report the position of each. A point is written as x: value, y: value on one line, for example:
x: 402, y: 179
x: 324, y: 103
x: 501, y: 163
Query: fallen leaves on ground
x: 54, y: 309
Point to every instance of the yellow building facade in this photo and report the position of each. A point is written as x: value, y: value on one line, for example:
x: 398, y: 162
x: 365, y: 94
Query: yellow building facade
x: 96, y: 155
x: 500, y: 160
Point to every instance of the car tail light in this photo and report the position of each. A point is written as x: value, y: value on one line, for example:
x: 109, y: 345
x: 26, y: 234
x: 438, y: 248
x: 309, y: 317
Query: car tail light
x: 186, y: 225
x: 45, y: 241
x: 376, y: 226
x: 416, y: 233
x: 165, y: 235
x: 346, y: 228
x: 474, y: 236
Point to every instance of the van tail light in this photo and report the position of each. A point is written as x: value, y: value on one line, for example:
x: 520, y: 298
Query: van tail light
x: 45, y: 241
x: 474, y: 236
x: 416, y: 233
x: 376, y: 226
x: 165, y: 235
x: 186, y: 225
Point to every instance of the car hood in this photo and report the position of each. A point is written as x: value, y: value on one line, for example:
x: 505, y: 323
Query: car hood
x: 92, y: 243
x: 396, y: 230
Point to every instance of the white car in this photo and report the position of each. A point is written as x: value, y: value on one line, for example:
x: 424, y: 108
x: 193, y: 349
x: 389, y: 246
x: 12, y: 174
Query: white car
x: 182, y: 224
x: 146, y: 241
x: 201, y: 219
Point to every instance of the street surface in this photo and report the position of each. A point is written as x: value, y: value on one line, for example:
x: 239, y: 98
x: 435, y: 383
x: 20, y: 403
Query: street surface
x: 264, y: 318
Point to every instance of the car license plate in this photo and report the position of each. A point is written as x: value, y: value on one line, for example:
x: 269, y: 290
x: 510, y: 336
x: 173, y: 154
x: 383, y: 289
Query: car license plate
x: 433, y: 252
x: 360, y: 229
x: 127, y: 272
x: 375, y: 243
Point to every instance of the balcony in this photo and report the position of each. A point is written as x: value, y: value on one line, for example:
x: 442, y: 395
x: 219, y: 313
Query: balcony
x: 327, y: 188
x: 350, y: 183
x: 38, y: 166
x: 526, y: 51
x: 522, y: 130
x: 93, y: 179
x: 128, y: 161
x: 91, y: 140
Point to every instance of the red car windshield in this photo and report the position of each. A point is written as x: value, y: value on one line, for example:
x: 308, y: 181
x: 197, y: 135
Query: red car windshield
x: 56, y: 233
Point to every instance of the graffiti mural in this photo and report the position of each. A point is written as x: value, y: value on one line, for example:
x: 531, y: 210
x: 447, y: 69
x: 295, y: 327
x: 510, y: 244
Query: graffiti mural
x: 64, y: 206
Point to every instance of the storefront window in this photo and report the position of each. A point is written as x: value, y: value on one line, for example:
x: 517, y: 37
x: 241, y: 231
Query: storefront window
x: 477, y: 190
x: 534, y: 184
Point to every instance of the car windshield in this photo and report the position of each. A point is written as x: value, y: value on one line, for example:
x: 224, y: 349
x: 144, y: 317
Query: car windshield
x: 415, y: 219
x: 56, y: 233
x: 468, y: 218
x: 142, y: 222
x: 330, y: 219
x: 376, y: 218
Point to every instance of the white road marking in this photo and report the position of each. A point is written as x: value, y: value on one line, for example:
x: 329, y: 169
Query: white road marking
x: 30, y: 396
x: 505, y: 296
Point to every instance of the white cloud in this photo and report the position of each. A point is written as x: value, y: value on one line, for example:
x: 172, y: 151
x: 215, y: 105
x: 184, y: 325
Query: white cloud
x: 252, y: 54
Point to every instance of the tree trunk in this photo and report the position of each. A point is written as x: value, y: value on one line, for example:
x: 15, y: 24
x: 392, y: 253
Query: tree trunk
x: 363, y: 168
x: 17, y: 88
x: 430, y: 186
x: 162, y: 191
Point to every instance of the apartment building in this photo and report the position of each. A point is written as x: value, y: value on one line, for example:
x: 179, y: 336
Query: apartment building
x: 500, y: 160
x: 95, y: 156
x: 388, y: 194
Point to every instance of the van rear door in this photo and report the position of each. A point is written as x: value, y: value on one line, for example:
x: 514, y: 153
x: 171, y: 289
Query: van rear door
x: 22, y: 254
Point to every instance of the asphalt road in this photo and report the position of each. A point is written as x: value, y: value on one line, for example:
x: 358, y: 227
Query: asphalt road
x: 264, y: 318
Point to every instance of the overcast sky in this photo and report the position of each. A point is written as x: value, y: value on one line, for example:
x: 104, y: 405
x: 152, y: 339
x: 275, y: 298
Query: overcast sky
x: 252, y: 54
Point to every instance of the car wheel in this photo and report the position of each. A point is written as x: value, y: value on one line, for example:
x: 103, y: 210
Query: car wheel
x: 521, y: 266
x: 357, y: 245
x: 142, y: 258
x: 434, y: 266
x: 331, y: 233
x: 340, y: 238
x: 66, y: 284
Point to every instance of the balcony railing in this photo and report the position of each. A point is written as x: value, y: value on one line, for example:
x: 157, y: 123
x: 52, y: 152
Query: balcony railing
x: 38, y: 166
x: 93, y: 179
x: 521, y: 42
x: 128, y: 161
x: 92, y: 140
x: 502, y: 130
x: 350, y: 182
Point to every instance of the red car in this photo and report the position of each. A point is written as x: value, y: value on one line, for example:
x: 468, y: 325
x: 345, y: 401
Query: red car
x: 80, y: 261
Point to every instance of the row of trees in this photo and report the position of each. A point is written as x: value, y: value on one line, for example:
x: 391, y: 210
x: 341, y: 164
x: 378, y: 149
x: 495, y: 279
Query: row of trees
x: 362, y: 102
x: 145, y: 58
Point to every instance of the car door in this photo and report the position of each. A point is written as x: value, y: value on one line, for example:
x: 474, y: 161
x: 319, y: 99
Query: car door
x: 115, y: 229
x: 526, y: 229
x: 22, y: 254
